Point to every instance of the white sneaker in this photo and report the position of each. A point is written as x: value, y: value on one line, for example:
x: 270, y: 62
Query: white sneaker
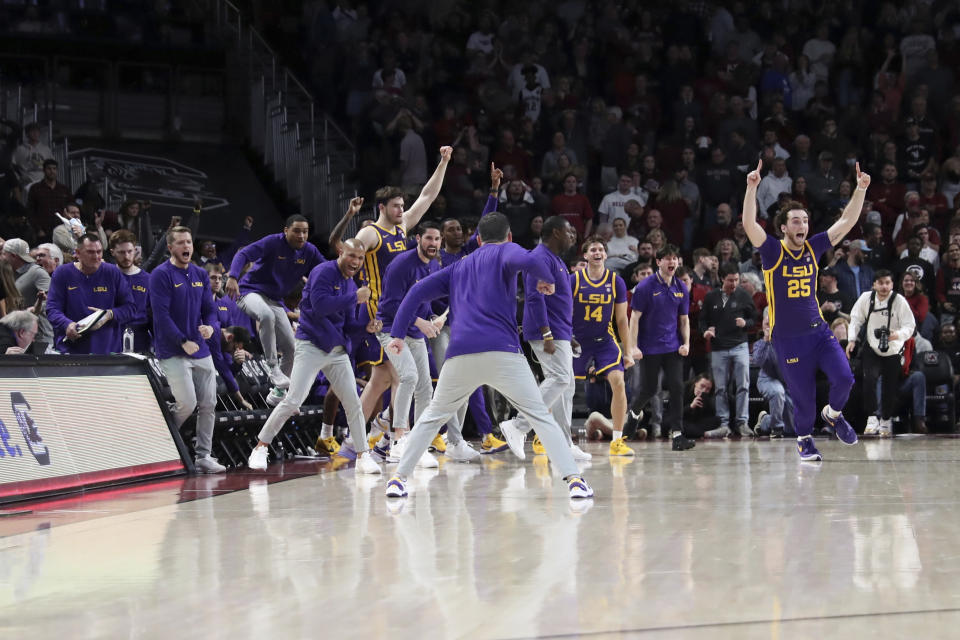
x: 275, y: 396
x: 886, y: 429
x: 873, y: 426
x: 719, y: 432
x: 278, y: 378
x: 366, y: 464
x: 209, y: 464
x: 579, y: 488
x: 427, y: 461
x: 396, y: 450
x: 514, y: 437
x: 578, y: 453
x: 258, y: 459
x: 462, y: 452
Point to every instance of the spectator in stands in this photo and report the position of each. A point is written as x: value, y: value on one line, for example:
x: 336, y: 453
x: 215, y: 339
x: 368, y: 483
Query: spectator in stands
x: 621, y: 248
x: 614, y: 203
x: 822, y: 185
x: 135, y: 216
x: 728, y: 314
x: 89, y: 285
x: 833, y: 302
x: 17, y: 331
x: 552, y: 156
x: 45, y: 198
x: 574, y: 207
x: 948, y: 285
x: 801, y: 162
x: 123, y: 249
x: 31, y: 278
x: 777, y: 181
x: 705, y: 268
x: 511, y: 155
x: 853, y: 275
x: 65, y: 235
x: 723, y: 227
x: 880, y: 323
x: 48, y: 256
x: 778, y: 421
x: 922, y: 270
x: 719, y: 183
x: 10, y: 298
x: 520, y: 210
x: 726, y: 251
x: 30, y: 156
x: 912, y: 292
x: 413, y: 155
x: 888, y: 195
x: 674, y: 211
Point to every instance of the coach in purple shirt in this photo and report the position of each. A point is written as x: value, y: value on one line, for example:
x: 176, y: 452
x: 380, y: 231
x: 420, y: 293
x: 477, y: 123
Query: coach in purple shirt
x: 660, y: 333
x: 280, y: 261
x: 484, y: 346
x: 79, y: 288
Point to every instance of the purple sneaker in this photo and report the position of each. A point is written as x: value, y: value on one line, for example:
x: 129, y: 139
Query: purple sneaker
x: 807, y: 450
x: 840, y: 426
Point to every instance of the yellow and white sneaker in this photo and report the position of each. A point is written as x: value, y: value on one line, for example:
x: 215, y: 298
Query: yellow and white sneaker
x: 538, y: 446
x: 373, y: 440
x: 493, y: 444
x: 438, y: 444
x: 619, y: 447
x: 331, y: 444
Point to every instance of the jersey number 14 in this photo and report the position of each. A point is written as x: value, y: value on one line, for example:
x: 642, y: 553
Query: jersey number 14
x: 596, y: 314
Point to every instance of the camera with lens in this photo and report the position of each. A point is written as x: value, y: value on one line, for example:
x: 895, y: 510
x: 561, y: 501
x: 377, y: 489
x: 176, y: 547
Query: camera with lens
x: 882, y: 334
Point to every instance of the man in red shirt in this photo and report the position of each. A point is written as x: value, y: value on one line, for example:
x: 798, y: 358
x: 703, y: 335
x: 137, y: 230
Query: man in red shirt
x: 510, y: 154
x: 888, y: 195
x: 574, y: 207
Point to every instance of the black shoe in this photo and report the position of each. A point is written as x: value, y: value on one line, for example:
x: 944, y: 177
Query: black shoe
x: 632, y: 423
x: 776, y: 433
x: 682, y: 443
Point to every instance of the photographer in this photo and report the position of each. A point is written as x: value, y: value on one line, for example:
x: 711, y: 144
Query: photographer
x: 883, y: 321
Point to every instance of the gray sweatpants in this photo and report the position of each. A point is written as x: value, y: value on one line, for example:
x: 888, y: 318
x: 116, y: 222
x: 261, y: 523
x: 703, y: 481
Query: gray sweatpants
x: 509, y: 374
x: 193, y: 383
x: 310, y: 360
x: 413, y: 371
x: 273, y: 328
x: 558, y: 386
x: 439, y: 346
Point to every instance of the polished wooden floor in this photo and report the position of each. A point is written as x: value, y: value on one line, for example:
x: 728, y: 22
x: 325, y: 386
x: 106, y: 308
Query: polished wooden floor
x: 729, y: 540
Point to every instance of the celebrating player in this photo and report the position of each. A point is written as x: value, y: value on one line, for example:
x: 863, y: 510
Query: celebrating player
x: 599, y: 298
x: 801, y: 337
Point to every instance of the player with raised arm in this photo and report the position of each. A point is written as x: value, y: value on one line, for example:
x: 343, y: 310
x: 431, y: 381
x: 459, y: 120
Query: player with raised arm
x: 801, y: 337
x: 384, y: 240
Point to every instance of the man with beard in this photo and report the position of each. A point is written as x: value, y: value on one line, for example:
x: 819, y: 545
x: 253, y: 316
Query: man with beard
x: 413, y: 363
x: 854, y: 276
x: 801, y: 337
x: 183, y: 320
x: 280, y: 261
x: 330, y: 299
x: 548, y: 327
x: 123, y: 248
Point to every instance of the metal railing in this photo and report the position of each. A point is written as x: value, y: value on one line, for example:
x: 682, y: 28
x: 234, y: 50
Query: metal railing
x: 308, y: 154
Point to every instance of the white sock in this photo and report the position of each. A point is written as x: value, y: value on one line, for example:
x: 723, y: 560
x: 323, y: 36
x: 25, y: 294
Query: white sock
x: 831, y: 412
x: 802, y: 438
x: 617, y: 435
x: 674, y: 434
x: 326, y: 431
